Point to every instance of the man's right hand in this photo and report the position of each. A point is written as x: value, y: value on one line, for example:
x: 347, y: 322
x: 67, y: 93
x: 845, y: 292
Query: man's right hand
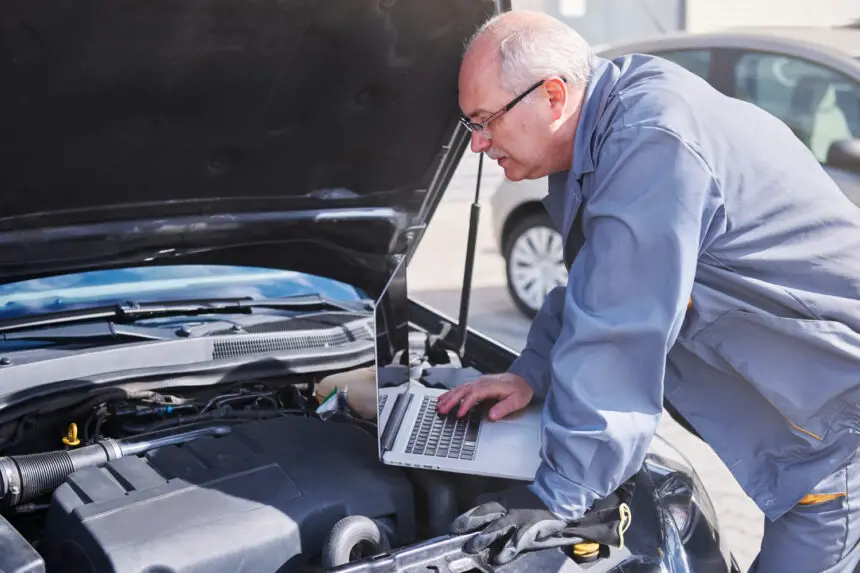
x: 511, y: 391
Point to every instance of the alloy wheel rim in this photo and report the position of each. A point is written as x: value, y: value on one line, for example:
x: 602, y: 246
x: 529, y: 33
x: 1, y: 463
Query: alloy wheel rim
x: 537, y: 265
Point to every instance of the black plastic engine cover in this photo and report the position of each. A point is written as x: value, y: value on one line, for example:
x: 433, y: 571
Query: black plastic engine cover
x: 262, y: 499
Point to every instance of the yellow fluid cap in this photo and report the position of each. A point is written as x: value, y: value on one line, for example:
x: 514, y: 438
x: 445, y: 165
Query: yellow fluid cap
x: 71, y: 437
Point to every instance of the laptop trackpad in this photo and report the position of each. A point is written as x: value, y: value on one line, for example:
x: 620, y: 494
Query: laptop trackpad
x: 509, y: 434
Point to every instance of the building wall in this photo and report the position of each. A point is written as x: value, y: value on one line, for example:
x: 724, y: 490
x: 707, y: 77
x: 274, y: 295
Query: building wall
x: 607, y: 21
x: 707, y: 15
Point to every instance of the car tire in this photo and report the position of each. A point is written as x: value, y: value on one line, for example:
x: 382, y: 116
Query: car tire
x: 533, y: 242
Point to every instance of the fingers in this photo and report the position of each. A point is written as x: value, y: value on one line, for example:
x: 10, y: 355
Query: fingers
x: 468, y: 395
x: 513, y: 393
x: 450, y: 398
x: 476, y: 394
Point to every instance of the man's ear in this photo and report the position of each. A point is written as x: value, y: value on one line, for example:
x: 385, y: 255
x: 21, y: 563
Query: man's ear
x: 557, y: 95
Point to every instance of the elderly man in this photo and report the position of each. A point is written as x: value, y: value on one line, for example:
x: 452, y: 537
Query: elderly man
x: 712, y: 262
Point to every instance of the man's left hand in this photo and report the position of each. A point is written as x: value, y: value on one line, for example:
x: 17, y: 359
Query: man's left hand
x: 519, y: 517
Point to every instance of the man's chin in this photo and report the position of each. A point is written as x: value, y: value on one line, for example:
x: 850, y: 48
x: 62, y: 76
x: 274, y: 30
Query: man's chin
x: 514, y: 174
x: 510, y: 169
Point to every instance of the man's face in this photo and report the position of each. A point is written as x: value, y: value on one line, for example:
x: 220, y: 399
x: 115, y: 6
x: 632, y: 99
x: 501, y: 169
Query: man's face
x: 521, y: 139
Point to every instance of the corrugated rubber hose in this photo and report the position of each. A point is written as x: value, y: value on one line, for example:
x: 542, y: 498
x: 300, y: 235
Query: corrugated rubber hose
x: 27, y: 477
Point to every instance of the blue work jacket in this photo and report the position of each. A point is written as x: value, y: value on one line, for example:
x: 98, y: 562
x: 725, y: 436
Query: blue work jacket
x: 711, y: 261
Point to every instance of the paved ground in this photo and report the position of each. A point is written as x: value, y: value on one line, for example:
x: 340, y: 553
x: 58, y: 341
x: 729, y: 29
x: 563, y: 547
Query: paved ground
x: 435, y: 276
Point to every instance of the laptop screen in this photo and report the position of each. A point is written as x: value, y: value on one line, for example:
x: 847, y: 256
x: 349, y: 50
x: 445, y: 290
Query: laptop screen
x: 393, y: 358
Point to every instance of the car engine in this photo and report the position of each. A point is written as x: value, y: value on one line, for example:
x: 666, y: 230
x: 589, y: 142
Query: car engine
x: 257, y: 499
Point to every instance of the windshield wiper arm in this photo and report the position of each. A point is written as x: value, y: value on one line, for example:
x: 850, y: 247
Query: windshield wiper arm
x: 130, y: 311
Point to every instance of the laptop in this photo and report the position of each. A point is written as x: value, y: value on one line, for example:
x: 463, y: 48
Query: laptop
x: 412, y: 433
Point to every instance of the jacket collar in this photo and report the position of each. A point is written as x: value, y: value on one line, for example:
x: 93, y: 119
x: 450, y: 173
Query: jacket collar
x: 604, y: 76
x: 565, y: 193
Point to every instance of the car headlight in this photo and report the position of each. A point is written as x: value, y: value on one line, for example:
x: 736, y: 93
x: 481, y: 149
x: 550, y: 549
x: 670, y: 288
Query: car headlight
x: 679, y: 488
x: 679, y: 491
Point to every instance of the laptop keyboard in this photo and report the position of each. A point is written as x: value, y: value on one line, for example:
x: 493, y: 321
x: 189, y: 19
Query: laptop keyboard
x: 443, y: 436
x: 382, y: 400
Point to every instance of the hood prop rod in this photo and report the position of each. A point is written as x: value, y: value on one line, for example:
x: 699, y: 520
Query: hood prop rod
x: 471, y: 247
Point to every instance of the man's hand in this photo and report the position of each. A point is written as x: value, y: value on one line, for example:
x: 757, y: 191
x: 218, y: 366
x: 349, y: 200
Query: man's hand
x: 512, y: 392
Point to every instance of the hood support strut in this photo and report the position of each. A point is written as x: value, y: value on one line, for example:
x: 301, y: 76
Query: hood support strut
x: 471, y: 247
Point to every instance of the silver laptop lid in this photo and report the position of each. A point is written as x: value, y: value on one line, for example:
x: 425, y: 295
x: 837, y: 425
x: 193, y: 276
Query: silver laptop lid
x: 391, y: 323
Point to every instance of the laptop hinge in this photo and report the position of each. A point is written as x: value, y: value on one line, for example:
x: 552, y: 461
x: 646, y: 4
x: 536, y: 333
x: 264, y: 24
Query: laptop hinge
x: 398, y: 413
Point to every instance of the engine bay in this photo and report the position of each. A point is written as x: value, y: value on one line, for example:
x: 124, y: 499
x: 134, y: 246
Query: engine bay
x: 246, y: 476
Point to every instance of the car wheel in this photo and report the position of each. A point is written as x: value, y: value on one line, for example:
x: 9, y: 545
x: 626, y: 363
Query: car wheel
x: 534, y: 262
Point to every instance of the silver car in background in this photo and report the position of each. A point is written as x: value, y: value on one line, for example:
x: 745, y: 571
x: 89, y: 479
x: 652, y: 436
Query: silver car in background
x: 807, y: 77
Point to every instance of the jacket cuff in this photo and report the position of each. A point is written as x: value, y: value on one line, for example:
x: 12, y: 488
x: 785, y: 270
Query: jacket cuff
x: 534, y: 369
x: 567, y: 500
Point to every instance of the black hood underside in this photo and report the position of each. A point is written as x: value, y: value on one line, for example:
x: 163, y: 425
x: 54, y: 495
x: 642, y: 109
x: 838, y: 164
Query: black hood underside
x: 131, y: 115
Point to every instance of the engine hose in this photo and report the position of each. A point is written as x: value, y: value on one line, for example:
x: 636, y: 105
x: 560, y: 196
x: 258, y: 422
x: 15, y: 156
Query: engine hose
x: 220, y: 414
x: 27, y: 477
x: 139, y: 444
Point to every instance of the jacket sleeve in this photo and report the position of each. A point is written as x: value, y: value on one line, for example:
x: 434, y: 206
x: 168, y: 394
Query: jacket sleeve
x: 533, y: 362
x: 654, y: 207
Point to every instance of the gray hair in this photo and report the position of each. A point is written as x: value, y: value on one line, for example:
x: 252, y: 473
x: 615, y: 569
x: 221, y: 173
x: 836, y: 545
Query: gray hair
x: 537, y: 47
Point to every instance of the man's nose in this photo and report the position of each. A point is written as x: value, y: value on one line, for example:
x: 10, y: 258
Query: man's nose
x: 480, y: 143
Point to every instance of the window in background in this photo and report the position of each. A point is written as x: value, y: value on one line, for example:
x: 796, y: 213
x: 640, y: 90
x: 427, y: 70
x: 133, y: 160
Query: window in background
x: 697, y: 61
x: 820, y: 105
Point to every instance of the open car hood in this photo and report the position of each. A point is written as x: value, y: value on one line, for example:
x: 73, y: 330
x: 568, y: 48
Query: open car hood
x: 308, y: 135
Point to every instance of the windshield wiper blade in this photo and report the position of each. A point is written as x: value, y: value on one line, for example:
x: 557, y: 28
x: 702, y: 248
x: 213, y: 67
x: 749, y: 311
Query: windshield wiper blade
x: 90, y: 331
x: 130, y: 311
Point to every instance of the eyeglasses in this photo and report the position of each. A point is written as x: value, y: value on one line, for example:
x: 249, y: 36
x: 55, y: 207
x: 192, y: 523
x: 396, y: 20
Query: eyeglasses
x: 482, y: 126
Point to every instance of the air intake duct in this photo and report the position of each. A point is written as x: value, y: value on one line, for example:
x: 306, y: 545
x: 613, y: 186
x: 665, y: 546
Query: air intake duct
x: 27, y: 477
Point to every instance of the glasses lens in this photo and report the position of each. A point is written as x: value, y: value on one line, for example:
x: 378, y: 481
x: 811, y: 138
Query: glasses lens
x: 475, y: 128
